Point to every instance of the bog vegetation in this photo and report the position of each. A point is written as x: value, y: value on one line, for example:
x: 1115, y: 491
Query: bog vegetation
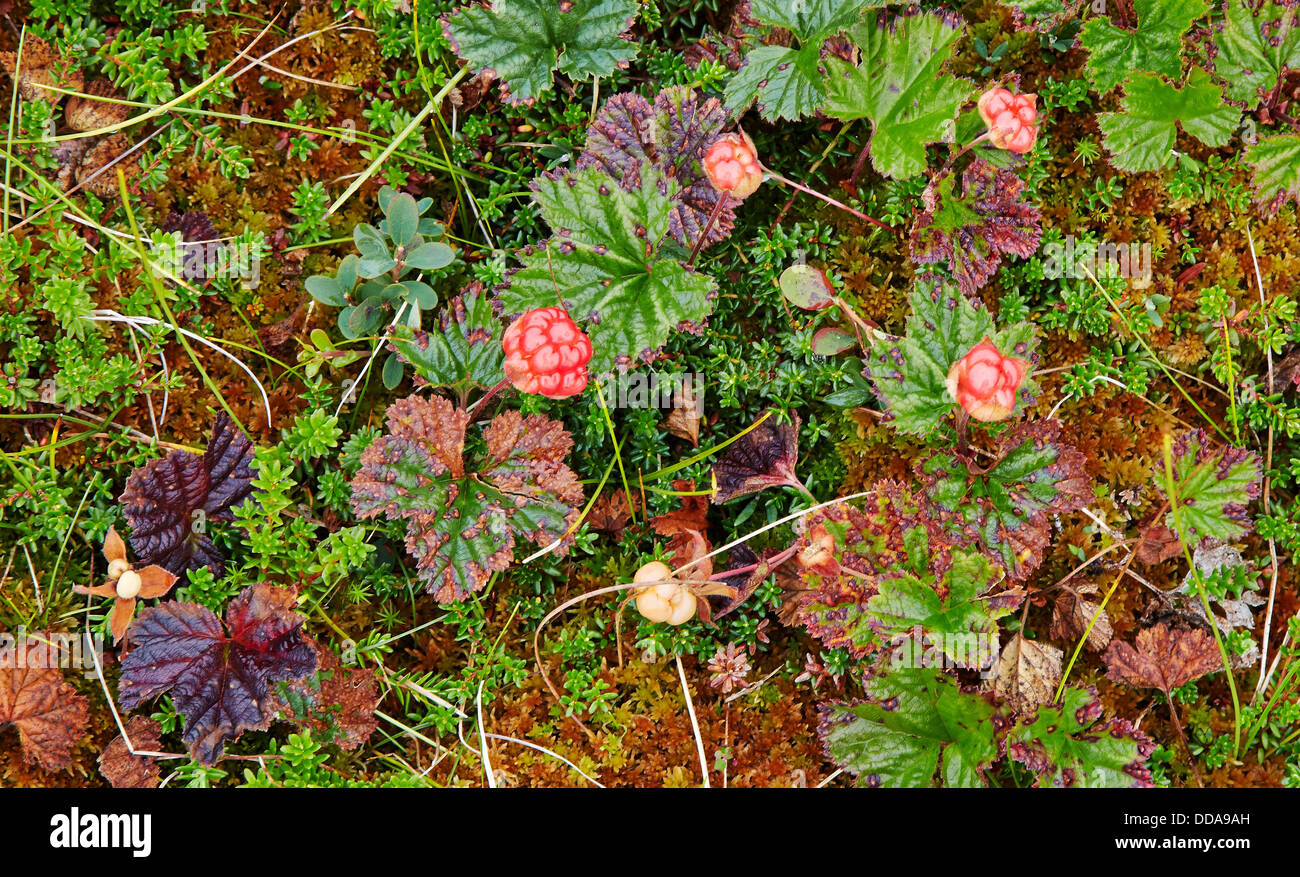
x: 625, y: 392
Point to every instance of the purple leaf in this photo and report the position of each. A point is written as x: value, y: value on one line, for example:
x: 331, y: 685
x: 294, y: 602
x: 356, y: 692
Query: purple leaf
x: 972, y: 232
x: 166, y: 500
x: 763, y: 457
x: 219, y: 681
x: 672, y: 136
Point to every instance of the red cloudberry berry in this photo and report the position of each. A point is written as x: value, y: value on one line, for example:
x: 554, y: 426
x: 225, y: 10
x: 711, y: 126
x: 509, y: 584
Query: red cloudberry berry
x: 547, y: 354
x: 731, y: 164
x: 1010, y: 118
x: 984, y: 382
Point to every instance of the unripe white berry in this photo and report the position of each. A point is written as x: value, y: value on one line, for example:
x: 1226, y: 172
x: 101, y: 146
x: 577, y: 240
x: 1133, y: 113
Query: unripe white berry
x: 117, y: 567
x: 668, y: 601
x: 128, y: 585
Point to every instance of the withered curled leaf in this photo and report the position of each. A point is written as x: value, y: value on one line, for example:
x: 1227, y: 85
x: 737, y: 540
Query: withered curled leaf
x: 1072, y: 616
x: 763, y: 457
x: 126, y: 771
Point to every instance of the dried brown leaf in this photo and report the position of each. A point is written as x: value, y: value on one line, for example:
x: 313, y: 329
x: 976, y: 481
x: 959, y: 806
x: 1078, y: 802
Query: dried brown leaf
x: 684, y: 420
x: 126, y: 771
x: 611, y: 512
x: 42, y: 66
x: 94, y: 111
x: 1164, y: 658
x: 34, y: 697
x: 1027, y: 674
x: 1071, y: 615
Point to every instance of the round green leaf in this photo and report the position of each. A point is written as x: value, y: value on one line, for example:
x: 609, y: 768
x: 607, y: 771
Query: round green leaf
x: 326, y: 290
x: 403, y: 219
x: 806, y: 287
x: 392, y: 371
x: 430, y: 256
x: 370, y: 242
x: 831, y: 341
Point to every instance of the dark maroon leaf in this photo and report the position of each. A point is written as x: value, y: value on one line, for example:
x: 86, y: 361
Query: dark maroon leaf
x: 672, y: 135
x: 763, y: 457
x: 745, y: 583
x: 219, y: 677
x: 972, y: 232
x: 169, y: 501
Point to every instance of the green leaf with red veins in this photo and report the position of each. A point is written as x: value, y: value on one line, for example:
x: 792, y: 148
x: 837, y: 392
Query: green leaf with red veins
x: 462, y: 524
x: 917, y: 729
x: 1141, y: 136
x: 1257, y: 44
x: 1214, y: 486
x: 1154, y: 45
x: 1275, y: 170
x: 465, y: 353
x: 953, y: 615
x: 901, y: 86
x: 611, y: 265
x: 972, y: 233
x: 1007, y: 510
x: 522, y: 41
x: 909, y: 374
x: 671, y: 135
x: 1068, y: 746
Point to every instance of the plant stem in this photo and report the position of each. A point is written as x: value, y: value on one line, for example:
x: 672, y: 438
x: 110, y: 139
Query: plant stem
x: 1178, y: 726
x: 831, y: 201
x: 708, y: 226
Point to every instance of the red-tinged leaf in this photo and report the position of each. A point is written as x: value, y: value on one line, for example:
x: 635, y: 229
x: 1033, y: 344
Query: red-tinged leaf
x: 1157, y: 544
x: 462, y: 521
x: 832, y: 341
x: 1214, y: 486
x: 973, y: 232
x: 219, y: 676
x: 338, y: 703
x: 126, y: 771
x: 1071, y: 746
x: 34, y: 697
x: 807, y: 287
x: 846, y: 552
x: 1007, y: 508
x: 693, y: 513
x: 671, y: 135
x: 168, y: 501
x: 1164, y: 658
x: 763, y: 457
